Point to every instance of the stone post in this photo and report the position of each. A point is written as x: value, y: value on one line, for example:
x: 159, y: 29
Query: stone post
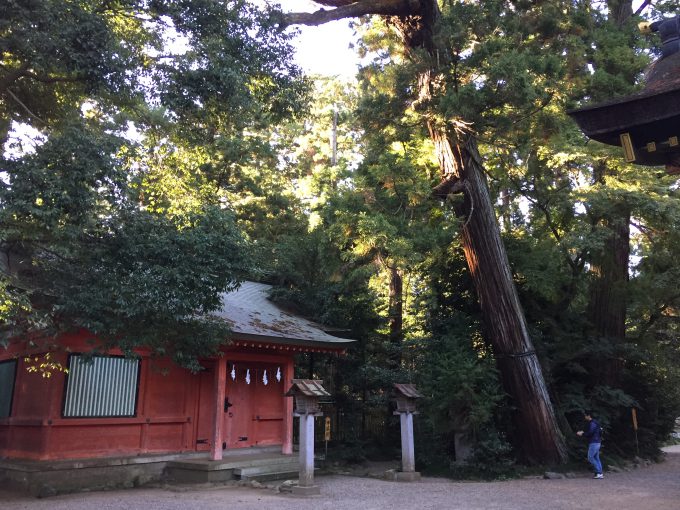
x: 307, y: 451
x: 408, y: 455
x: 307, y: 393
x: 406, y: 408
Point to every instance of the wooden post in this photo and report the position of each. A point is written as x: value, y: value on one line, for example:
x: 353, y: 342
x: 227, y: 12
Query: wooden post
x: 220, y: 381
x: 287, y: 448
x: 633, y: 412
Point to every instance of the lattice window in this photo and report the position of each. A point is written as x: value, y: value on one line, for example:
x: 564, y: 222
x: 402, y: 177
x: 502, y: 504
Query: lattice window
x: 101, y: 386
x: 8, y: 370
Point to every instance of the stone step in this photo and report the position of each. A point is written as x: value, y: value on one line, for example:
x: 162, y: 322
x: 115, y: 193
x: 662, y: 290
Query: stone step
x: 250, y: 472
x: 233, y: 466
x: 233, y: 462
x: 274, y: 475
x: 188, y: 475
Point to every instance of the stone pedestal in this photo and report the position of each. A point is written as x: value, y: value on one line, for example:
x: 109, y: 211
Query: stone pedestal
x: 401, y: 476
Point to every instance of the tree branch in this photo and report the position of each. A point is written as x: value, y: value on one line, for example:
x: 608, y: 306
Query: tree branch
x: 643, y: 6
x: 447, y: 187
x: 12, y: 75
x: 53, y: 79
x: 352, y: 10
x: 30, y: 113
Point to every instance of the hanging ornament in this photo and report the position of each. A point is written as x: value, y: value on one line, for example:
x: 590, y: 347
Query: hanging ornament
x: 264, y: 378
x: 248, y: 376
x: 278, y: 374
x: 233, y: 372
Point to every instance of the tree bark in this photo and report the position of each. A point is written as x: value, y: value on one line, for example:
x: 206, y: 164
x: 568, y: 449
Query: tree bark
x: 609, y: 267
x: 607, y: 306
x: 396, y: 315
x: 536, y: 432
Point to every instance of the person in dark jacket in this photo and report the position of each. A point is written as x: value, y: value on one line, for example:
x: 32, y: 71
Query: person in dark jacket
x: 593, y: 434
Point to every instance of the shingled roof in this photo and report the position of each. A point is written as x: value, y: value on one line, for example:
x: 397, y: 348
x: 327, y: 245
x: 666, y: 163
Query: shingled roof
x: 253, y: 316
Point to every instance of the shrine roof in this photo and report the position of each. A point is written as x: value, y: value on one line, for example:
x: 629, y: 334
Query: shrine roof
x: 252, y: 316
x: 650, y: 114
x: 408, y: 390
x: 308, y: 388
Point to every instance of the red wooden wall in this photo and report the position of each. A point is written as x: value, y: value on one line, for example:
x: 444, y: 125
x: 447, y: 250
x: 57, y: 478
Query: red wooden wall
x: 174, y: 410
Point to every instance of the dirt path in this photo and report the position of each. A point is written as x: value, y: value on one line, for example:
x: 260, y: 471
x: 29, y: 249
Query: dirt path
x: 655, y: 487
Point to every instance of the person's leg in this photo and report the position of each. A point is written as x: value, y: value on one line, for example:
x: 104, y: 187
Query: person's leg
x: 594, y: 457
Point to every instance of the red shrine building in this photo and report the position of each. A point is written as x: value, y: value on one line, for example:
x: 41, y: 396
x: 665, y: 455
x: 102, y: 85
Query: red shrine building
x: 118, y: 407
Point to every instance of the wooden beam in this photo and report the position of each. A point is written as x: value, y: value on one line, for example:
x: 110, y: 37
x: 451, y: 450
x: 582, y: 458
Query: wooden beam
x: 220, y: 382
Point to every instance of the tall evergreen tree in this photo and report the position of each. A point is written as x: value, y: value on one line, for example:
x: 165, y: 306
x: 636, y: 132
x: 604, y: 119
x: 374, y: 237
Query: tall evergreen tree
x: 443, y: 99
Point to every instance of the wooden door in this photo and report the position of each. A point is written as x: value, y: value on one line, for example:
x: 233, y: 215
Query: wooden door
x: 268, y: 406
x: 238, y: 404
x: 206, y: 406
x: 255, y: 405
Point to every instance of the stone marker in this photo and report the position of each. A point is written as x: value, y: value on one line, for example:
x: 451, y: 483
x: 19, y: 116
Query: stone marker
x: 307, y: 393
x: 406, y: 395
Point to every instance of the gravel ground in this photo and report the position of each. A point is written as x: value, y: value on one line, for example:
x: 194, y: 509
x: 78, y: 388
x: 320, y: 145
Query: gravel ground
x: 655, y: 487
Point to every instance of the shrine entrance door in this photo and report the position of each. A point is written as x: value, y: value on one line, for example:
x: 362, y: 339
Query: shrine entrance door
x: 255, y: 404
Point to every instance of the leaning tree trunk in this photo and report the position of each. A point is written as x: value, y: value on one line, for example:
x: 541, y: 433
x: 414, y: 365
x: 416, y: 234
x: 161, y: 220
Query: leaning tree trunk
x: 537, y: 434
x: 536, y: 431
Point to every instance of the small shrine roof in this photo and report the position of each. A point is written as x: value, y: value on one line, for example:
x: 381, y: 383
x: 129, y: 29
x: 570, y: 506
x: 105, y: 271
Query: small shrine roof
x: 252, y: 316
x: 308, y: 388
x: 408, y: 390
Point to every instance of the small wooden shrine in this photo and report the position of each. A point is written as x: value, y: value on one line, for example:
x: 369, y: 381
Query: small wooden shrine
x: 112, y: 406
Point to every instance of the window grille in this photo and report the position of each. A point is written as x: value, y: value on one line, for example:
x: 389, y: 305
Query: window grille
x: 102, y: 386
x: 8, y: 370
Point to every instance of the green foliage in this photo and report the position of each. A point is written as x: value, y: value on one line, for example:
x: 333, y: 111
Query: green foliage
x: 98, y: 261
x: 463, y: 404
x: 81, y: 49
x: 162, y: 175
x: 121, y: 220
x: 491, y: 459
x: 460, y: 382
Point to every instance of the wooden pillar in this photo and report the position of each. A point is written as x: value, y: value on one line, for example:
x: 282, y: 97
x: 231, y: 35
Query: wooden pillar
x: 54, y: 393
x: 287, y: 448
x: 220, y: 381
x: 143, y: 405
